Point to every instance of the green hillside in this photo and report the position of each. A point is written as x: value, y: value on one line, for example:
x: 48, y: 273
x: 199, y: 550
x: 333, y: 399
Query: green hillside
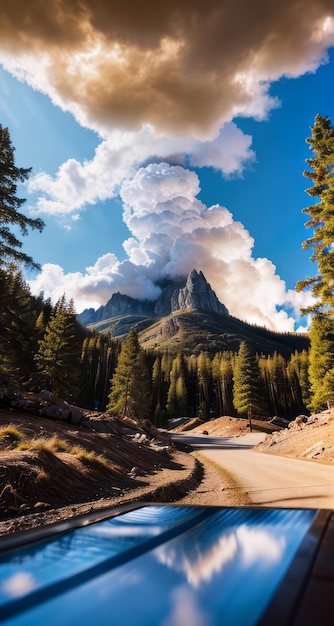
x: 192, y: 331
x: 119, y: 326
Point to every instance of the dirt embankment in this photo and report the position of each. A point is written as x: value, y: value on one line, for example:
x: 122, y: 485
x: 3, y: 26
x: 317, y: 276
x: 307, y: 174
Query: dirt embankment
x: 305, y: 438
x: 50, y: 470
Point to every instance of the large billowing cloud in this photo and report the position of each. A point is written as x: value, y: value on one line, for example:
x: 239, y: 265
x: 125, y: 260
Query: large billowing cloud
x: 182, y: 67
x: 174, y: 232
x: 162, y: 83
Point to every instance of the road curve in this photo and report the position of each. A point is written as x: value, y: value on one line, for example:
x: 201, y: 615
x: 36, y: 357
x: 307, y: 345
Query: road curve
x: 268, y: 480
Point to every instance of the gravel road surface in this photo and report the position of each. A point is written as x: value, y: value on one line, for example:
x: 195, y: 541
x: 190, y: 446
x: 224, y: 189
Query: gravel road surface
x: 266, y: 480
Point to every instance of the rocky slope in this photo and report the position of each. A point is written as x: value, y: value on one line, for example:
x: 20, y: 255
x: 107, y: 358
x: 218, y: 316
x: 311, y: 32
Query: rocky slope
x: 305, y: 438
x: 187, y: 317
x: 192, y: 292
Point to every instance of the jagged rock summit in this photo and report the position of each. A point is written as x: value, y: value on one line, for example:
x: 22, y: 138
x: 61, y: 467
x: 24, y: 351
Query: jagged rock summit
x: 197, y: 294
x: 194, y: 292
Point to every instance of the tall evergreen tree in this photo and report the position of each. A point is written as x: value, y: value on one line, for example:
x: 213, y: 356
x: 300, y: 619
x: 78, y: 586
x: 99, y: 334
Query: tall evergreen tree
x: 158, y: 394
x: 203, y: 381
x: 322, y: 216
x: 247, y: 393
x: 299, y: 381
x: 226, y: 382
x: 172, y: 404
x: 58, y: 356
x: 192, y: 385
x: 322, y: 361
x: 322, y: 285
x: 177, y: 393
x: 215, y: 368
x: 10, y: 205
x: 181, y: 394
x: 130, y: 386
x: 98, y: 361
x: 19, y: 311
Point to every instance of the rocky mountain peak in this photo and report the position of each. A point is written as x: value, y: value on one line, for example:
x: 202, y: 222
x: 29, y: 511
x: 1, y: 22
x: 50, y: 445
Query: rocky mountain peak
x: 197, y: 294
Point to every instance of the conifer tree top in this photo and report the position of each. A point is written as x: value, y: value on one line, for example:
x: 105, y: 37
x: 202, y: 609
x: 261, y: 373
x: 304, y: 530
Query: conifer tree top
x: 10, y: 205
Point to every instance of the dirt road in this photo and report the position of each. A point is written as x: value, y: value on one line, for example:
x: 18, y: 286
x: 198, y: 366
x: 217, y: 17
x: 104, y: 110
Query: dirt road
x: 268, y: 480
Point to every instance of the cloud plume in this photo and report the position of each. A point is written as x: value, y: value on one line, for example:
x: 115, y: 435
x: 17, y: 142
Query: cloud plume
x: 172, y: 233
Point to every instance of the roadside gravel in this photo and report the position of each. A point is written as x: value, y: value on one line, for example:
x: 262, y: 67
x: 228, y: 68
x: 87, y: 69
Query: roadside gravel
x: 217, y: 488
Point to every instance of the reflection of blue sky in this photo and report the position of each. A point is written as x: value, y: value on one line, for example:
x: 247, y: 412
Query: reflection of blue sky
x: 62, y: 557
x: 221, y: 570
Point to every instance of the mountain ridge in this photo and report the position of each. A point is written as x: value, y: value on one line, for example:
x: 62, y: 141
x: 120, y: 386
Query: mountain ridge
x: 187, y: 317
x: 193, y: 292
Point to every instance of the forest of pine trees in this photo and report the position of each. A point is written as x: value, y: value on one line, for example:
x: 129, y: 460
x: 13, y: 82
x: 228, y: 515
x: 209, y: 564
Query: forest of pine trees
x: 44, y: 346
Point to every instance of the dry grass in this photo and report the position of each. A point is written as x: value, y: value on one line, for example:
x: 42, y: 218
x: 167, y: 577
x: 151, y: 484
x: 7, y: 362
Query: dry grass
x: 90, y: 458
x: 10, y: 436
x: 52, y: 444
x: 43, y: 477
x: 57, y: 463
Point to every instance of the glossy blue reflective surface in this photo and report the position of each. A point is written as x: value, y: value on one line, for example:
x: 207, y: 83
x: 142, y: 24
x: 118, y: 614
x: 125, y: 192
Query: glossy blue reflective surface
x: 156, y: 565
x: 26, y: 570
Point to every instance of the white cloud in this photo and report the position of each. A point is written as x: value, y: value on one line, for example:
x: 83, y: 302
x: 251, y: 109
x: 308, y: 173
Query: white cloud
x: 117, y: 159
x: 19, y: 584
x: 173, y: 232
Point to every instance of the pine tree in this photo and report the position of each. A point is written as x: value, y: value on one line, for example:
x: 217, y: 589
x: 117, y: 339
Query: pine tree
x: 177, y: 393
x: 322, y: 216
x: 215, y: 369
x: 58, y: 356
x: 130, y: 386
x: 247, y: 394
x: 10, y: 204
x: 166, y: 366
x: 158, y: 393
x: 204, y: 379
x: 322, y: 361
x: 192, y: 385
x: 172, y: 404
x: 181, y: 394
x: 226, y: 382
x: 299, y: 381
x: 19, y: 311
x: 322, y: 285
x: 97, y: 362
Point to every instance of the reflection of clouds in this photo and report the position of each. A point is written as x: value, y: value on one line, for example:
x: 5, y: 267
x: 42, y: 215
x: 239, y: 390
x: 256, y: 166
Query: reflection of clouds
x: 213, y: 561
x: 120, y: 531
x: 197, y: 564
x: 244, y: 545
x: 185, y: 610
x: 19, y: 584
x: 259, y: 545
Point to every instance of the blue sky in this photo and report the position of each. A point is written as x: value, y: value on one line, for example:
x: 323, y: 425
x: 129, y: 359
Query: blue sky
x: 206, y: 173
